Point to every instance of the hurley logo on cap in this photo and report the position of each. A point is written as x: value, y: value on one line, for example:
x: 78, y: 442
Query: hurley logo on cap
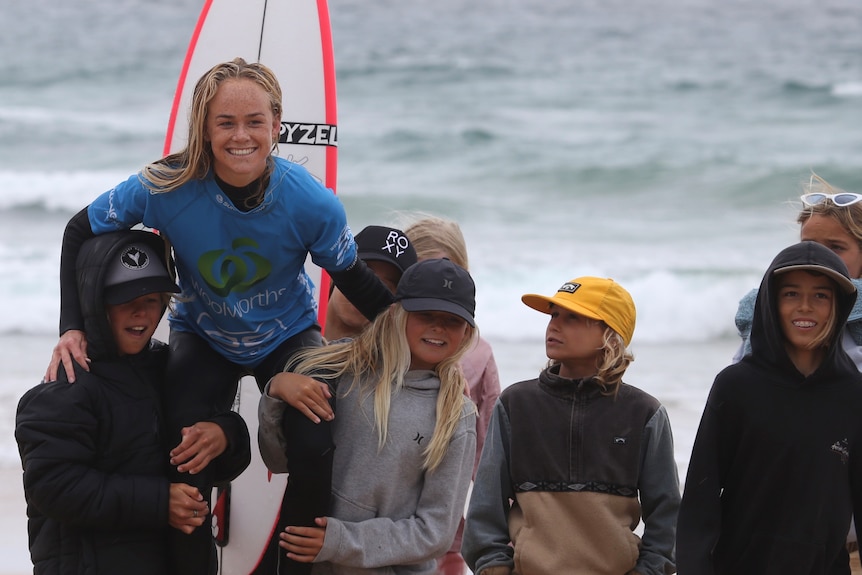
x: 438, y: 285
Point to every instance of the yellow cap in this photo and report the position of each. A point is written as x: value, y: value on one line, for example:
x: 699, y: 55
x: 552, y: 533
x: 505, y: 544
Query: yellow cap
x: 596, y: 298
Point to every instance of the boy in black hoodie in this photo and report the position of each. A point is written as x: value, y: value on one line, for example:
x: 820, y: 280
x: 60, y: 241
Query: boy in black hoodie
x: 94, y: 452
x: 776, y: 469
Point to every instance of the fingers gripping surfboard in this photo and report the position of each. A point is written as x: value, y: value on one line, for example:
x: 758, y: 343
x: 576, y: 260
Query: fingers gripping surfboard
x: 293, y: 38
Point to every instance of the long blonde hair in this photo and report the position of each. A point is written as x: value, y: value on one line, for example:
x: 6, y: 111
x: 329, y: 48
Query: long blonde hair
x: 195, y: 160
x: 376, y: 361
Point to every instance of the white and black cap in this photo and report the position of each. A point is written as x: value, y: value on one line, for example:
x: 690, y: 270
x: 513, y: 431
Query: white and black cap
x: 135, y: 271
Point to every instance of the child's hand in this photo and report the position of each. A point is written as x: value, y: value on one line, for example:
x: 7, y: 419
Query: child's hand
x: 187, y: 509
x: 303, y: 543
x: 202, y: 442
x: 304, y: 393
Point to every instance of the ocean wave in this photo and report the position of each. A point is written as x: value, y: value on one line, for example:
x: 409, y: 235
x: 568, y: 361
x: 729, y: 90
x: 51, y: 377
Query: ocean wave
x: 801, y: 87
x: 55, y: 191
x: 70, y: 120
x: 671, y: 306
x: 847, y: 89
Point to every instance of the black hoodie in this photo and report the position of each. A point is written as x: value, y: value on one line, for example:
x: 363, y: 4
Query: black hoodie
x: 776, y: 469
x: 94, y: 452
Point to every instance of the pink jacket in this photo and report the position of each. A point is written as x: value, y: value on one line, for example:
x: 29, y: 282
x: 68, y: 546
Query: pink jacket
x: 480, y: 370
x: 483, y: 381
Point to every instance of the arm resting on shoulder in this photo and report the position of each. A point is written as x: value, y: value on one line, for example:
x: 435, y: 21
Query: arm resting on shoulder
x: 77, y: 231
x: 361, y: 286
x: 72, y: 346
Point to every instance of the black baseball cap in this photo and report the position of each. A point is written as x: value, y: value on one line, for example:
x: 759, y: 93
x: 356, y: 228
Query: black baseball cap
x: 135, y: 271
x: 380, y: 243
x: 438, y: 285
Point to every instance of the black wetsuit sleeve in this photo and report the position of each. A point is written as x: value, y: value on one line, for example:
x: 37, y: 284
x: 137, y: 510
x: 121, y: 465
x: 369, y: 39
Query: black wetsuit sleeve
x: 237, y: 456
x: 361, y: 286
x: 78, y: 231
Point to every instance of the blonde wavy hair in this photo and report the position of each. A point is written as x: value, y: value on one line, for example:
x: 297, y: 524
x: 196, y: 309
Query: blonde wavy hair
x: 376, y: 362
x: 615, y: 360
x: 434, y: 237
x: 195, y: 160
x: 850, y: 217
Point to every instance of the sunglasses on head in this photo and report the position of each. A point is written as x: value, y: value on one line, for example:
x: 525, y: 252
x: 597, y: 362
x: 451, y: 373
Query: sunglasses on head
x: 841, y: 200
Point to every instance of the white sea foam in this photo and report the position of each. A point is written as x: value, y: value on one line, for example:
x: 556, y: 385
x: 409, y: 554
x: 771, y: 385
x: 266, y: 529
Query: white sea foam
x: 65, y: 191
x: 848, y: 89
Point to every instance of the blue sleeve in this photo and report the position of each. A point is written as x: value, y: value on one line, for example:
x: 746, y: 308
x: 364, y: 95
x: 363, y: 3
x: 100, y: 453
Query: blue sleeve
x: 119, y: 208
x: 485, y: 542
x: 854, y: 322
x: 743, y: 319
x: 333, y: 248
x: 322, y: 219
x: 856, y: 312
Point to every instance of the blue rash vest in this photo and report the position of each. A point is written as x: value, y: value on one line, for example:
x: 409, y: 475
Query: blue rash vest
x: 242, y: 274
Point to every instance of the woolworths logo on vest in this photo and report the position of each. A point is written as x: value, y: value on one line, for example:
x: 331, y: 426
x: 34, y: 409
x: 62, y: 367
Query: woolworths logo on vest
x: 235, y: 270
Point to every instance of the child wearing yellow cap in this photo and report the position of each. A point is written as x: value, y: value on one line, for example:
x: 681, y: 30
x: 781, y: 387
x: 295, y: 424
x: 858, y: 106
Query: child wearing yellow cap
x: 575, y: 458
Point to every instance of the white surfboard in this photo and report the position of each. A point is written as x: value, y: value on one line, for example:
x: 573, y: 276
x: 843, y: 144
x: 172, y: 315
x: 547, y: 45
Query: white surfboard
x: 293, y: 38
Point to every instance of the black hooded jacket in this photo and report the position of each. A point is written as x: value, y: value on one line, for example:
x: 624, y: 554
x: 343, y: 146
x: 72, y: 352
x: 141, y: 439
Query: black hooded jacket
x: 94, y: 455
x: 776, y: 469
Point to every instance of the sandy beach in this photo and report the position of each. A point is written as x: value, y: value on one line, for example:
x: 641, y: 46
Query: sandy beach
x: 14, y: 557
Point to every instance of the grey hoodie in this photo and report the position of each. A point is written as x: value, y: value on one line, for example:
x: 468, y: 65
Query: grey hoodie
x: 389, y: 516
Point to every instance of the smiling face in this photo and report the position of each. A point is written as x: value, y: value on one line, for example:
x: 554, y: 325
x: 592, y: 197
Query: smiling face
x: 433, y: 336
x: 134, y: 322
x: 575, y: 342
x: 241, y: 128
x: 828, y: 231
x: 806, y: 306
